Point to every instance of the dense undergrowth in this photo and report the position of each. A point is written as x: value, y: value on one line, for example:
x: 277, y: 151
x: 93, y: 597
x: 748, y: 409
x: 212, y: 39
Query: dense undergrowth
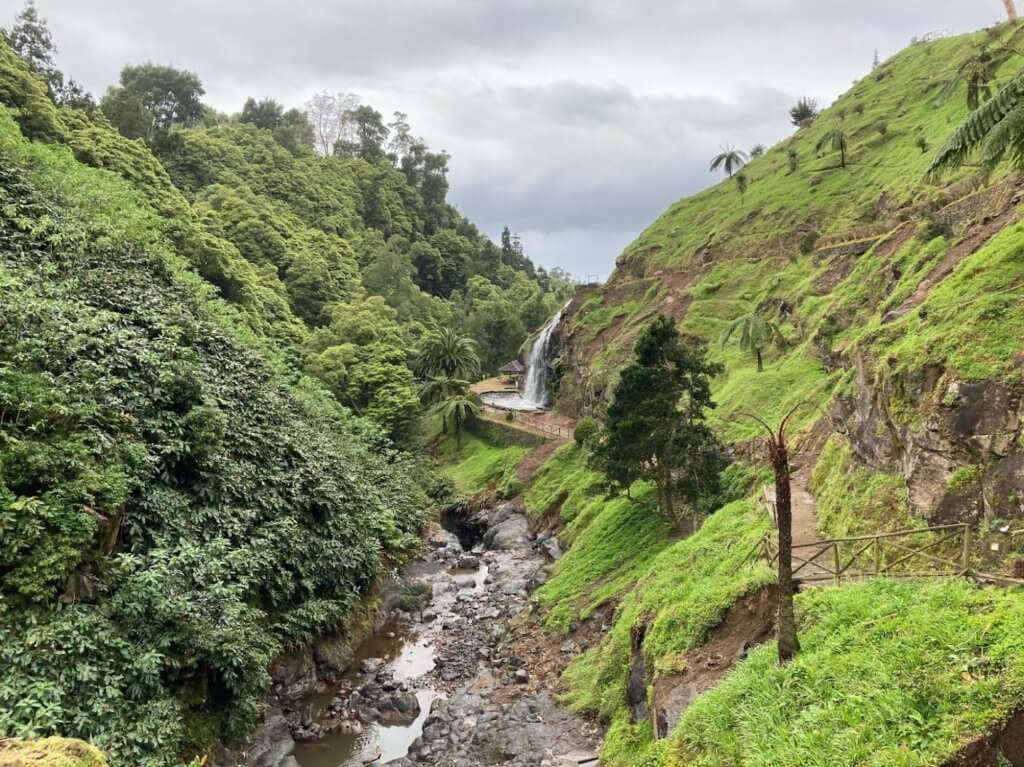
x: 208, y: 414
x: 174, y: 511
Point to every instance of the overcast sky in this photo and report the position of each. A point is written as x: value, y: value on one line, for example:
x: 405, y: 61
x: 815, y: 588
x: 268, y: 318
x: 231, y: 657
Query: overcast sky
x: 576, y: 122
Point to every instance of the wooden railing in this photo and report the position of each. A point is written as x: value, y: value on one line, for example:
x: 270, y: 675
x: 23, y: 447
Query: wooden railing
x: 946, y: 552
x: 550, y: 430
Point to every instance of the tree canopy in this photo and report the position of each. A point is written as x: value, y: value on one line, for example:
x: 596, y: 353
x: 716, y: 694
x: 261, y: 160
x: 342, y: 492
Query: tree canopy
x: 655, y: 426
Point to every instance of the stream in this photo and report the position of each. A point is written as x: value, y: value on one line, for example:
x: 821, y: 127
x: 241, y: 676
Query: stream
x: 441, y: 684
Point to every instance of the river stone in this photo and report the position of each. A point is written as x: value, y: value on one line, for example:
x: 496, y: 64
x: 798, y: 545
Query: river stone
x: 468, y: 562
x: 271, y: 745
x: 509, y: 534
x: 334, y: 654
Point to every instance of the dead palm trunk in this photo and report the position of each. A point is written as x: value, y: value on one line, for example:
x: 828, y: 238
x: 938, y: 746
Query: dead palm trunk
x: 778, y: 454
x: 1011, y: 10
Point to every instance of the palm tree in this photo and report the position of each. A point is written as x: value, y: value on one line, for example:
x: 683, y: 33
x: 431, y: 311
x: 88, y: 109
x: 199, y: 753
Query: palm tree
x: 778, y: 455
x: 978, y: 71
x: 439, y: 389
x: 756, y: 334
x: 836, y: 138
x: 447, y: 353
x: 995, y: 130
x: 729, y: 159
x: 1011, y: 10
x: 460, y: 408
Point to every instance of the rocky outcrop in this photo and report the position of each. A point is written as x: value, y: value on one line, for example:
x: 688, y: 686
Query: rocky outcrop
x: 959, y: 449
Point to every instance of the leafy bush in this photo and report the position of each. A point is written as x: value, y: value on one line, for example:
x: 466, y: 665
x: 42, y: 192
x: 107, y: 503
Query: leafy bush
x: 586, y: 429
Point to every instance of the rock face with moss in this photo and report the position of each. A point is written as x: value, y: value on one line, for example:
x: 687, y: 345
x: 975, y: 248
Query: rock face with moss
x: 49, y: 752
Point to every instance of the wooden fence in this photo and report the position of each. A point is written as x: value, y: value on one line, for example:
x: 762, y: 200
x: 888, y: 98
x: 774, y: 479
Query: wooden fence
x: 550, y: 430
x: 900, y: 554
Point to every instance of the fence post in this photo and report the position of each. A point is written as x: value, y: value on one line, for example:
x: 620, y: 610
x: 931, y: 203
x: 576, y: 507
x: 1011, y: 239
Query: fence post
x: 836, y: 560
x: 967, y: 548
x: 878, y: 556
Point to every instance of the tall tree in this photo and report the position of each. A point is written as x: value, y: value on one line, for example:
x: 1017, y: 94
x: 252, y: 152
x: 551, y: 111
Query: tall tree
x: 30, y: 38
x: 655, y: 426
x: 1011, y: 10
x: 729, y: 159
x: 265, y: 113
x: 778, y: 455
x: 151, y: 99
x: 363, y: 134
x: 756, y: 334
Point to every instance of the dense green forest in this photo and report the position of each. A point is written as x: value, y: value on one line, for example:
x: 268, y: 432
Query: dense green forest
x: 209, y: 389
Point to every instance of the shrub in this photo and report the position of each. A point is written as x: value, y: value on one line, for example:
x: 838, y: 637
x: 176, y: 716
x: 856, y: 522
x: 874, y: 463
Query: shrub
x: 922, y: 144
x: 585, y: 431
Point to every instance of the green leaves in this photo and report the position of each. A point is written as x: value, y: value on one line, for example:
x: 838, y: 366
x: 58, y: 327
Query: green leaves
x: 979, y: 128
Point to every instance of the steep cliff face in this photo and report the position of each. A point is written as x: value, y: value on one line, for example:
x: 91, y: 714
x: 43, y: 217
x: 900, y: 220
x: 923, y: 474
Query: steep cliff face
x: 901, y: 301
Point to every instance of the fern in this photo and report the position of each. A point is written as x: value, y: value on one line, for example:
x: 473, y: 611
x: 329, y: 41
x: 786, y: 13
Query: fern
x: 973, y: 132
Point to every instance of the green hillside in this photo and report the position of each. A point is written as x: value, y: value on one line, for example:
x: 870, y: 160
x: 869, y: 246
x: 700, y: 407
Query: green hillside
x: 785, y: 249
x: 210, y: 443
x: 900, y: 304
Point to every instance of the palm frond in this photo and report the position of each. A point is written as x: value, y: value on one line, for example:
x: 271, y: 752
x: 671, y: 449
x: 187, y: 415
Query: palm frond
x: 975, y: 129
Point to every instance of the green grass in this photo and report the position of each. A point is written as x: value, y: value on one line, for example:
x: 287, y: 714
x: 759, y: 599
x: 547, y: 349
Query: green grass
x: 967, y: 323
x: 479, y: 465
x: 683, y: 589
x: 855, y: 500
x: 890, y: 675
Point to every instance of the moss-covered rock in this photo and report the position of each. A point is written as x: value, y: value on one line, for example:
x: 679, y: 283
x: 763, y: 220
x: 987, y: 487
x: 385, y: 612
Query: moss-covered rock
x: 49, y: 752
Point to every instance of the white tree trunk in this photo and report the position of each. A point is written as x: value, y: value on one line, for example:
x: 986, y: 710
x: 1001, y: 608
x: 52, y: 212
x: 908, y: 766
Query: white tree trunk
x: 1011, y: 10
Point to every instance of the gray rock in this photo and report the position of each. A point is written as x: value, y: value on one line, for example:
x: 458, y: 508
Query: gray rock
x: 271, y: 745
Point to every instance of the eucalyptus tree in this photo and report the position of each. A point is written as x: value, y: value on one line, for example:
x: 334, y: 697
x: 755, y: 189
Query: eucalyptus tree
x: 729, y: 159
x: 756, y: 334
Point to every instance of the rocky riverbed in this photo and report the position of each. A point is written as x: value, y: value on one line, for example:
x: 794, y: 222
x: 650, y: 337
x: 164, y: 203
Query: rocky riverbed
x: 447, y: 678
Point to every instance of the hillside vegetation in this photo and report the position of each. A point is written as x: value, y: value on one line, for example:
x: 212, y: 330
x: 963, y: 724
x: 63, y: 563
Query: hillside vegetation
x: 899, y: 305
x: 210, y: 398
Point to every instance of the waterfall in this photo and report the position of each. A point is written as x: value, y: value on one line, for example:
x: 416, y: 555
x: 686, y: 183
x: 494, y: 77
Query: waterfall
x: 533, y: 388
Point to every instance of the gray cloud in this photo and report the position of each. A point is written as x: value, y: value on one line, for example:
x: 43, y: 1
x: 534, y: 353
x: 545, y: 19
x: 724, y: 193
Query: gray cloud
x: 576, y: 122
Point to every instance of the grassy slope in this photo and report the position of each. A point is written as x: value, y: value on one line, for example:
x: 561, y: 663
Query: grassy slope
x: 757, y: 259
x: 890, y: 673
x: 479, y: 465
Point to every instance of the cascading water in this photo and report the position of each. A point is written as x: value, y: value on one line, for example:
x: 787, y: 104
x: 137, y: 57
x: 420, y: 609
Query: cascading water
x: 533, y: 387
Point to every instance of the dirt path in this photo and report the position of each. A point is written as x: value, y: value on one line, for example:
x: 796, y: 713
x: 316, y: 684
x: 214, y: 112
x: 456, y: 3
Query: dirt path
x: 805, y: 520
